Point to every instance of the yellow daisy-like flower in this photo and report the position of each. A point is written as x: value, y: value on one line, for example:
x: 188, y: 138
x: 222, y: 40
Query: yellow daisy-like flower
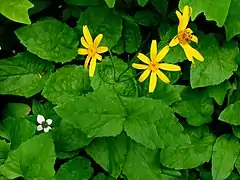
x: 91, y: 49
x: 185, y: 35
x: 153, y: 66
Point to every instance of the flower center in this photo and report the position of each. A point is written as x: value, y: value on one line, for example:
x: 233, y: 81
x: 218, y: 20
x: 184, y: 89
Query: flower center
x: 153, y: 66
x: 185, y: 36
x: 92, y: 51
x: 44, y: 124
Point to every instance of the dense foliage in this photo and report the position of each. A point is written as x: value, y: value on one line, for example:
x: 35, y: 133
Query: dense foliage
x: 119, y: 89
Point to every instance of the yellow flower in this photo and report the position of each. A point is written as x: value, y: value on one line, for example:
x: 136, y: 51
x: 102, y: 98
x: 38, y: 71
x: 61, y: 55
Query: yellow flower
x: 185, y: 35
x: 152, y: 66
x: 91, y: 49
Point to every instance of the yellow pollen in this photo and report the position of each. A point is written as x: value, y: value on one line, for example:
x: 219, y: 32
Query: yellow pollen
x: 92, y: 51
x: 153, y: 66
x: 184, y: 36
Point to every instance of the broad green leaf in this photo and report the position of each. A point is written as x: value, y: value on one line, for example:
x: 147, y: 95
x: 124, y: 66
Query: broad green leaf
x: 110, y: 3
x: 232, y: 23
x: 66, y: 155
x: 161, y: 6
x: 46, y: 110
x: 85, y: 2
x: 225, y: 153
x: 119, y: 47
x: 108, y: 114
x: 39, y: 5
x: 78, y: 168
x: 67, y: 83
x: 166, y: 92
x: 233, y: 176
x: 109, y: 153
x: 71, y: 11
x: 69, y: 138
x: 237, y: 163
x: 230, y: 114
x: 132, y: 36
x: 16, y: 10
x: 142, y: 2
x: 146, y: 18
x: 107, y: 22
x: 219, y: 63
x: 175, y: 54
x: 22, y: 75
x: 4, y: 150
x: 17, y: 130
x: 195, y: 106
x: 110, y: 72
x: 141, y: 163
x: 236, y: 131
x: 102, y: 176
x: 34, y: 159
x: 16, y: 110
x: 218, y: 13
x: 50, y: 40
x: 197, y: 153
x: 218, y: 92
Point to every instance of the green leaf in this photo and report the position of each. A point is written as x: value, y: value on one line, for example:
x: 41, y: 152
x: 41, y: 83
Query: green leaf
x: 132, y: 36
x: 33, y: 159
x: 195, y: 106
x: 107, y: 22
x: 218, y: 92
x: 22, y: 75
x: 225, y: 153
x: 197, y: 153
x: 146, y: 18
x: 107, y: 74
x: 232, y: 23
x: 230, y: 115
x: 110, y: 3
x: 50, y: 40
x: 67, y: 83
x: 39, y: 5
x: 236, y: 131
x: 175, y: 54
x: 77, y: 168
x: 69, y: 138
x: 141, y: 163
x: 237, y: 164
x: 102, y: 176
x: 218, y: 13
x: 219, y: 63
x: 166, y: 92
x: 85, y: 2
x: 119, y: 47
x: 109, y: 153
x: 17, y: 130
x: 161, y: 6
x: 16, y: 110
x: 4, y: 150
x: 142, y: 2
x: 16, y: 10
x: 107, y: 114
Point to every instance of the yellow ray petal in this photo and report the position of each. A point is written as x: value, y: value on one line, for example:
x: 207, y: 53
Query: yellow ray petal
x: 98, y: 57
x: 174, y: 42
x: 92, y: 66
x: 82, y: 51
x: 84, y: 42
x: 153, y: 50
x: 194, y: 39
x: 187, y: 50
x: 163, y: 77
x: 139, y: 66
x: 179, y: 15
x: 153, y: 82
x: 169, y: 67
x: 162, y: 53
x: 143, y: 58
x: 88, y: 58
x: 144, y: 75
x: 187, y: 12
x: 102, y: 49
x: 87, y: 35
x: 97, y: 40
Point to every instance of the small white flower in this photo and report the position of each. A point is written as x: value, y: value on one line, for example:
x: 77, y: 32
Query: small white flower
x: 43, y: 124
